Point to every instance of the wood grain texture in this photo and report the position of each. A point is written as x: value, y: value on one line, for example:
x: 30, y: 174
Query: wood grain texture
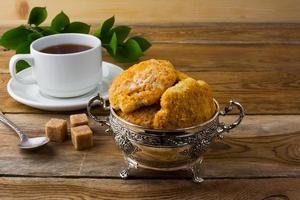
x: 8, y: 103
x: 256, y: 63
x: 268, y: 92
x: 263, y: 146
x: 273, y: 189
x: 213, y: 57
x: 215, y: 33
x: 160, y: 12
x: 222, y: 33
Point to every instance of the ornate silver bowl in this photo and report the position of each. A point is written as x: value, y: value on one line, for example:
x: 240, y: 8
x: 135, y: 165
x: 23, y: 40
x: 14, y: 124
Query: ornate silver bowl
x: 163, y: 149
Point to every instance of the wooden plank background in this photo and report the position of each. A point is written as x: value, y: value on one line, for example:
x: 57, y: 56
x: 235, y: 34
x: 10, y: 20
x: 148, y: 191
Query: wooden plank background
x: 226, y: 189
x: 258, y: 64
x: 259, y: 148
x: 159, y: 12
x: 247, y: 49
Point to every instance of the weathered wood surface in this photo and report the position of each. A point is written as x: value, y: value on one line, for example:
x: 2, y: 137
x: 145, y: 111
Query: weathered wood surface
x: 228, y: 47
x: 215, y: 33
x: 217, y: 47
x: 256, y: 63
x: 260, y: 92
x: 226, y: 189
x: 214, y: 57
x: 158, y: 12
x: 263, y: 146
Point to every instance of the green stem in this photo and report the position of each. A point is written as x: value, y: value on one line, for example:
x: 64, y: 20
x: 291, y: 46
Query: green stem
x: 29, y: 27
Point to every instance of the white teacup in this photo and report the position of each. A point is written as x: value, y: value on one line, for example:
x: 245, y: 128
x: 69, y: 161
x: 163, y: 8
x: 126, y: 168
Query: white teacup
x: 62, y: 75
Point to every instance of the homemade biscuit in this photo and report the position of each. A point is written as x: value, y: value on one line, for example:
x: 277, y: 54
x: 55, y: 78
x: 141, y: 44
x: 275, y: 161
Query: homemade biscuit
x: 181, y: 76
x: 186, y: 104
x: 141, y: 85
x: 143, y: 116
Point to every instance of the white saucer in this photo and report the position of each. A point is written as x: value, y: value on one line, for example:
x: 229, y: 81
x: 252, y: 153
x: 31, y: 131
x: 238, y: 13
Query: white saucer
x: 30, y: 95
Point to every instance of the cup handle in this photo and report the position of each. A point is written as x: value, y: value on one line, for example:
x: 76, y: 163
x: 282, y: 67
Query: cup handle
x: 12, y: 67
x: 226, y: 128
x: 102, y: 103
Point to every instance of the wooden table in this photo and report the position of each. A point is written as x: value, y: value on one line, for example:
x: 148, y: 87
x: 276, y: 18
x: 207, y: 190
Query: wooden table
x: 258, y: 64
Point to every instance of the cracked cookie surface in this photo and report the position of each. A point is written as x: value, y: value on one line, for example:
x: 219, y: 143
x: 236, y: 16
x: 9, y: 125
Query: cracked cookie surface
x: 141, y: 85
x: 181, y: 76
x: 143, y: 116
x: 186, y: 104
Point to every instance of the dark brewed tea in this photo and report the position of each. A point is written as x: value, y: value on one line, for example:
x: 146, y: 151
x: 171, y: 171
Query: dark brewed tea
x: 65, y: 48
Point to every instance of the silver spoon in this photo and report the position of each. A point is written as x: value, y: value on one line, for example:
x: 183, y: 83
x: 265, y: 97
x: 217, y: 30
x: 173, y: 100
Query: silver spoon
x: 25, y: 142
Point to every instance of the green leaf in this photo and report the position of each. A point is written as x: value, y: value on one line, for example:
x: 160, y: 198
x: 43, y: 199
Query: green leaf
x: 60, y: 21
x: 143, y: 43
x: 103, y: 32
x: 106, y: 26
x: 34, y: 36
x: 133, y: 49
x: 21, y: 65
x: 77, y: 27
x: 46, y: 30
x: 113, y: 44
x: 23, y: 48
x: 114, y: 40
x: 37, y: 15
x: 130, y: 52
x: 38, y: 28
x: 97, y: 32
x: 121, y: 33
x: 13, y: 37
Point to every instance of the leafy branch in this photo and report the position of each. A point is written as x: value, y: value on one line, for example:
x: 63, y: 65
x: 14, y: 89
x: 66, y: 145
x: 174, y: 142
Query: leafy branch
x: 114, y: 38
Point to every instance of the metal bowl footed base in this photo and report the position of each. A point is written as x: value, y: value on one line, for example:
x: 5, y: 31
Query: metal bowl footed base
x: 163, y: 149
x: 194, y: 168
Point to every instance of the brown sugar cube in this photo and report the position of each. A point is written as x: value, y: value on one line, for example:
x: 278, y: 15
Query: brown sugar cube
x: 78, y: 120
x: 82, y: 137
x: 56, y: 130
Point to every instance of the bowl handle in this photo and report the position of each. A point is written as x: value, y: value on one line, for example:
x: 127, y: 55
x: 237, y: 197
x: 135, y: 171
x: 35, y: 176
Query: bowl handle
x: 226, y: 128
x: 104, y: 106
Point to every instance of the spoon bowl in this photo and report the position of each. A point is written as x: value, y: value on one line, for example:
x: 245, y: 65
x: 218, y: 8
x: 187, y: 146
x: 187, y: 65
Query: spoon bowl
x: 32, y: 143
x: 25, y: 142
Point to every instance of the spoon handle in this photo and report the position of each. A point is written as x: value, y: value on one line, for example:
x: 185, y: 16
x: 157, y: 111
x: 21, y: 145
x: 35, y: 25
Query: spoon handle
x: 13, y: 126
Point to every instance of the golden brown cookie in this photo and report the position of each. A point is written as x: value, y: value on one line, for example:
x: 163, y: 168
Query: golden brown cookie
x: 186, y: 104
x: 181, y: 76
x: 141, y: 85
x: 143, y: 116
